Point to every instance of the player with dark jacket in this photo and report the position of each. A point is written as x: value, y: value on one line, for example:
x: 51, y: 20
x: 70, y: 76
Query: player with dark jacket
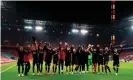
x: 86, y: 59
x: 106, y: 59
x: 41, y: 58
x: 80, y: 58
x: 74, y: 57
x: 83, y: 59
x: 48, y: 58
x: 20, y: 62
x: 68, y: 59
x: 100, y: 61
x: 55, y: 60
x: 35, y: 57
x: 116, y: 60
x: 94, y: 60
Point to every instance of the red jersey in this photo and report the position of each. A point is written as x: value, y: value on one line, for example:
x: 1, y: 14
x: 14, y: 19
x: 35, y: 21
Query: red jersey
x: 26, y: 58
x: 61, y: 55
x: 61, y: 52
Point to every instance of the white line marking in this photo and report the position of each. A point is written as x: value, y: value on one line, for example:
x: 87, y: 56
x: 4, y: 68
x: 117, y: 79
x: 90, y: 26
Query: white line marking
x: 7, y: 69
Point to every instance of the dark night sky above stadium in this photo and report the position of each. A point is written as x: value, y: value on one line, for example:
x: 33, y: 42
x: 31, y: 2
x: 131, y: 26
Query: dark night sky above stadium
x: 96, y: 12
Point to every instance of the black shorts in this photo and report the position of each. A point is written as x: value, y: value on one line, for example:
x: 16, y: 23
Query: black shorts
x: 86, y: 61
x: 40, y: 61
x: 80, y: 62
x: 105, y: 62
x: 94, y: 61
x: 20, y: 63
x: 47, y: 62
x: 74, y: 62
x: 116, y: 63
x: 83, y: 62
x: 35, y: 62
x: 61, y: 61
x: 67, y: 62
x: 100, y: 62
x: 55, y: 62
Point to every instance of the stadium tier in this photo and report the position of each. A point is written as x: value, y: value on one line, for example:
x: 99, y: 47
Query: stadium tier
x: 9, y: 55
x: 6, y: 59
x: 10, y: 50
x: 125, y: 54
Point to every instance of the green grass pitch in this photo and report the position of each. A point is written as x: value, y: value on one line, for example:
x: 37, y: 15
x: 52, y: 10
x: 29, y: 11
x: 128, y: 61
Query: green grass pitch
x: 9, y: 72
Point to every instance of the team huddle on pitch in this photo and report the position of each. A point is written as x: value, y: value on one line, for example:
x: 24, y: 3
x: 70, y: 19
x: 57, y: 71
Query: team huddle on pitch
x: 75, y: 60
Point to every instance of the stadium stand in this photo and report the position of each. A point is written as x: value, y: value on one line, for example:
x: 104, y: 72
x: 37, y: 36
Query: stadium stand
x: 6, y: 59
x: 9, y: 55
x: 12, y: 51
x: 125, y: 54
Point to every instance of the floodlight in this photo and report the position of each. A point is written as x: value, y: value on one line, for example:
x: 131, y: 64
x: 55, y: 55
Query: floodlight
x: 97, y: 35
x: 38, y: 28
x: 132, y: 27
